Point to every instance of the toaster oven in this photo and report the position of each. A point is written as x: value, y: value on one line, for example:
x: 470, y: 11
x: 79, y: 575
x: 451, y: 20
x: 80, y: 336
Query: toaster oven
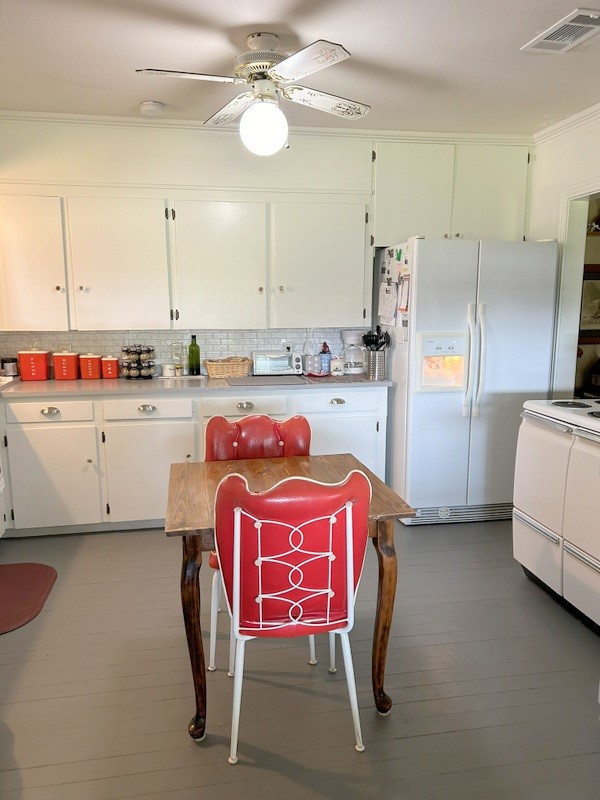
x: 276, y: 362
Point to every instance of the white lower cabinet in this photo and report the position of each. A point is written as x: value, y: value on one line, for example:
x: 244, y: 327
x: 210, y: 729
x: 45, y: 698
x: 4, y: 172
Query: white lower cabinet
x: 93, y: 464
x: 141, y: 440
x: 347, y: 422
x: 54, y: 466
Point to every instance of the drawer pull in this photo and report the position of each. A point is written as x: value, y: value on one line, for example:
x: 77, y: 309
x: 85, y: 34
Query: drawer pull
x: 50, y: 411
x: 146, y: 408
x: 245, y: 405
x: 337, y: 401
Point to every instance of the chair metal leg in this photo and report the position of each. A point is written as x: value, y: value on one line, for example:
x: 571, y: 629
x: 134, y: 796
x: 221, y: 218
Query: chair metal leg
x: 312, y: 657
x: 232, y: 652
x: 349, y: 667
x: 237, y: 699
x: 332, y: 666
x: 215, y: 596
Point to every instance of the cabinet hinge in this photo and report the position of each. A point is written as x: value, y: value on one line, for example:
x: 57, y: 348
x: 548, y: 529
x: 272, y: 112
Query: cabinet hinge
x: 103, y: 437
x: 373, y: 155
x: 372, y: 241
x: 107, y: 508
x: 366, y: 217
x: 5, y: 440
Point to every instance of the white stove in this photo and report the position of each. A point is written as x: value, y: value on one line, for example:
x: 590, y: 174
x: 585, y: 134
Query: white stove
x: 572, y: 411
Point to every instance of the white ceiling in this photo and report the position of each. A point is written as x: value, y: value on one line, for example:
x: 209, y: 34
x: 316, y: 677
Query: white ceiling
x: 422, y: 65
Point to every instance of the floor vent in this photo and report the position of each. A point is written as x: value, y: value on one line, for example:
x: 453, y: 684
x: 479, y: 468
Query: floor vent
x: 568, y: 32
x: 437, y: 515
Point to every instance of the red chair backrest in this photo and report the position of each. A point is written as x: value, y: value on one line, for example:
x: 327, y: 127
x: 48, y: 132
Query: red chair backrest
x: 296, y: 542
x: 256, y: 436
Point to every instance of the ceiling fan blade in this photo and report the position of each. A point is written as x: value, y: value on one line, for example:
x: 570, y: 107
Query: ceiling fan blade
x: 330, y: 103
x: 196, y: 76
x: 316, y: 56
x: 232, y: 109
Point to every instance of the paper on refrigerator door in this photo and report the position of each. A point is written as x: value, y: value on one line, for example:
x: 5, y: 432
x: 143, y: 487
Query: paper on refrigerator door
x: 388, y: 300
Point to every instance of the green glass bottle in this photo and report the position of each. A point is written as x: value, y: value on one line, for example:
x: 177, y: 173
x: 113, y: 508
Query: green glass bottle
x: 194, y: 356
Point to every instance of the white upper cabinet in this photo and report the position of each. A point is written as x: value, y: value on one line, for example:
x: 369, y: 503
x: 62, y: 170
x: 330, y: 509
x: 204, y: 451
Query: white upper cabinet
x: 490, y: 191
x: 471, y: 191
x: 32, y: 264
x: 318, y: 257
x: 118, y: 250
x: 220, y: 265
x: 413, y: 191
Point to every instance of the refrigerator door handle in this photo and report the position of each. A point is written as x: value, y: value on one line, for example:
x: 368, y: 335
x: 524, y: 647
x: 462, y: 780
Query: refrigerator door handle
x: 482, y: 356
x: 471, y: 365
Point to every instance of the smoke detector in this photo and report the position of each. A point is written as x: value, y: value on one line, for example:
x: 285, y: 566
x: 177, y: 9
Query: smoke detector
x: 568, y: 32
x: 152, y: 108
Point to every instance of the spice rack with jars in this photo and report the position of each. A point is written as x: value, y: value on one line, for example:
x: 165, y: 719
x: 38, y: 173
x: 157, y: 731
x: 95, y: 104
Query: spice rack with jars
x: 137, y: 362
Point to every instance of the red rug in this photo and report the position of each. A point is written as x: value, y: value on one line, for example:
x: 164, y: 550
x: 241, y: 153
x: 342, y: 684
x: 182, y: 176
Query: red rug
x: 24, y: 588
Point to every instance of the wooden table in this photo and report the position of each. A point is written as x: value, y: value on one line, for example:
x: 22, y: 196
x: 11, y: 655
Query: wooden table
x: 190, y: 514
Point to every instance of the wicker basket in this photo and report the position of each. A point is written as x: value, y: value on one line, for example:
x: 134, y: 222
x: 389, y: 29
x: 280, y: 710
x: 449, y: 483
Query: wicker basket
x: 232, y: 367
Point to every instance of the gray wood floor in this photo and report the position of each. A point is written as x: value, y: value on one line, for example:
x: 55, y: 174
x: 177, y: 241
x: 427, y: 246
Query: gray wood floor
x: 495, y: 685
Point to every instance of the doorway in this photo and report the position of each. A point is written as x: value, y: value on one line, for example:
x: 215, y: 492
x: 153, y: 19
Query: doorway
x: 572, y: 360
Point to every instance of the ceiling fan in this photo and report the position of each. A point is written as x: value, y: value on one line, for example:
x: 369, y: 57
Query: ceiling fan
x: 267, y: 72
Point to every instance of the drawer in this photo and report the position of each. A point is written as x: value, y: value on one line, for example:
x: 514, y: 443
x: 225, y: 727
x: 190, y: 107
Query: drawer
x: 581, y: 581
x: 50, y: 411
x: 243, y: 405
x: 334, y: 401
x: 538, y: 549
x: 148, y: 408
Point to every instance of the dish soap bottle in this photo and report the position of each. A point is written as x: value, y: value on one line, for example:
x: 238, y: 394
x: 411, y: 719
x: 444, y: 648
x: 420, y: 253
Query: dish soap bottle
x: 194, y: 356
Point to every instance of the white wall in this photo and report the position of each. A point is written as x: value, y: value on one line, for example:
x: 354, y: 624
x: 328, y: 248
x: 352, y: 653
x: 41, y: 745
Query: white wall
x: 566, y: 167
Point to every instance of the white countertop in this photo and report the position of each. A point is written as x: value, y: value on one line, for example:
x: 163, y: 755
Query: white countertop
x: 17, y: 389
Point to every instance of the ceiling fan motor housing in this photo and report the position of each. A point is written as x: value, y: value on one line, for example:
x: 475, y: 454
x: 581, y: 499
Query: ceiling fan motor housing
x: 256, y: 62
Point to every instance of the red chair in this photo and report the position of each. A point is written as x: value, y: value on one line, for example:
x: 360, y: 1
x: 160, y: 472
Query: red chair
x: 291, y: 559
x: 254, y: 436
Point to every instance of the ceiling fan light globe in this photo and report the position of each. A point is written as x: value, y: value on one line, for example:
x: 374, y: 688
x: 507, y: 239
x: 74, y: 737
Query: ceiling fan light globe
x: 264, y: 128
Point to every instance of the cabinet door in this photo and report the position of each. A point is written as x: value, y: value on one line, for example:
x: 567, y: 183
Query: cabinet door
x: 318, y: 265
x: 119, y: 262
x: 221, y: 258
x: 138, y: 459
x: 55, y: 476
x: 32, y: 265
x: 346, y: 434
x: 413, y: 191
x: 490, y: 189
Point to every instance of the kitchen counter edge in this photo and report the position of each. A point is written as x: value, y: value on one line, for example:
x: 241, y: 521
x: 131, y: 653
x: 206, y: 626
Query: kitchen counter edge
x: 18, y: 389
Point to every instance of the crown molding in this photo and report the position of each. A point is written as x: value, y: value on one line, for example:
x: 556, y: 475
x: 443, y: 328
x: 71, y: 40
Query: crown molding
x: 197, y: 125
x: 578, y: 120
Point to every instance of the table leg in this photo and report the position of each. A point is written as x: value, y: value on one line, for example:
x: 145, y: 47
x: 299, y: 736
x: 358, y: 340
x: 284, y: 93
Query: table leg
x: 386, y: 554
x: 190, y: 603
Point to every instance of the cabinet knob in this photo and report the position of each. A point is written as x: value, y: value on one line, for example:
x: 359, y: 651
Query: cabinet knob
x: 246, y: 405
x: 337, y: 401
x: 50, y: 411
x: 282, y: 288
x: 261, y: 289
x: 89, y: 461
x: 457, y: 235
x: 84, y: 288
x: 447, y: 236
x: 59, y: 288
x: 146, y: 408
x: 188, y: 457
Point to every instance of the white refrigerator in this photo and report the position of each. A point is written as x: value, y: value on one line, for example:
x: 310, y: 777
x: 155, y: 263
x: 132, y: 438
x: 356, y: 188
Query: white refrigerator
x: 471, y: 326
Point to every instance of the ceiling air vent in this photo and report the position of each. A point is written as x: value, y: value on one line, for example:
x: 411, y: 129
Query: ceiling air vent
x: 567, y: 32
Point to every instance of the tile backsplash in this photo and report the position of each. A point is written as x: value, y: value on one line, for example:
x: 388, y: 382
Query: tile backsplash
x: 213, y: 343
